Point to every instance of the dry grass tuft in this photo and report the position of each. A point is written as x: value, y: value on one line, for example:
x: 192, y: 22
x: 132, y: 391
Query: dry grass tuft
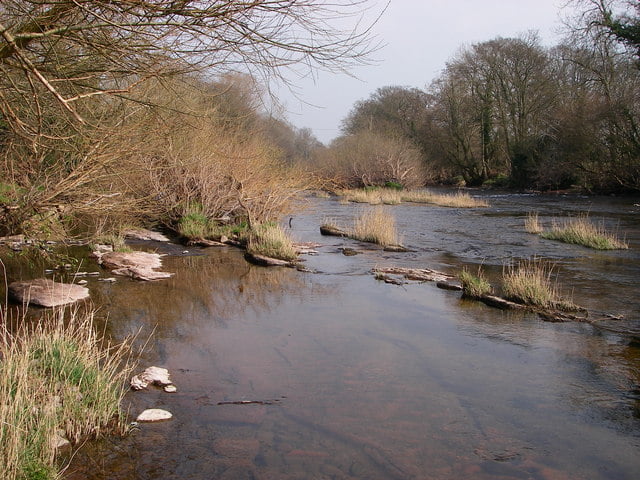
x: 56, y: 377
x: 270, y: 240
x: 474, y: 286
x: 457, y: 200
x: 376, y: 226
x: 530, y: 283
x: 532, y: 223
x: 582, y: 231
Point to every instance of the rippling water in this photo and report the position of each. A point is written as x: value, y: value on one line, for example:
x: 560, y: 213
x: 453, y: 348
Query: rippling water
x: 365, y: 380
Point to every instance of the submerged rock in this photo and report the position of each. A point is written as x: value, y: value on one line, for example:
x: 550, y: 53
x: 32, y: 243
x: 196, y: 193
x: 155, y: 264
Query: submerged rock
x: 47, y: 293
x: 154, y: 415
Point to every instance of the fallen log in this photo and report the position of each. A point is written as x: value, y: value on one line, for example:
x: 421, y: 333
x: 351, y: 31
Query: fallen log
x: 331, y: 230
x: 417, y: 274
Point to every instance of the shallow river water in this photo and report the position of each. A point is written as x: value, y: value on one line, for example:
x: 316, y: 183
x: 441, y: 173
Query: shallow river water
x: 364, y: 380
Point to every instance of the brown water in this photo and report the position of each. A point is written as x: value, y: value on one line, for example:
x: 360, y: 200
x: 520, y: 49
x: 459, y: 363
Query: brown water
x: 365, y: 380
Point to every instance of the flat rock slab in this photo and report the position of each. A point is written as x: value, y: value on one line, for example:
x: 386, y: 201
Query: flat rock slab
x: 154, y: 415
x: 137, y: 265
x: 144, y: 234
x: 47, y: 293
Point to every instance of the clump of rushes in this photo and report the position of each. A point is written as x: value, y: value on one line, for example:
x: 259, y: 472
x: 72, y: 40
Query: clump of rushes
x: 194, y: 225
x: 56, y: 378
x: 457, y: 200
x: 376, y: 226
x: 270, y: 240
x: 474, y: 286
x: 530, y: 283
x: 532, y: 223
x: 582, y: 231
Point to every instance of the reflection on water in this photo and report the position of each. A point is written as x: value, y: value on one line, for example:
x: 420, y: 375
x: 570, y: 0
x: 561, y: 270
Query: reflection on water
x: 371, y: 381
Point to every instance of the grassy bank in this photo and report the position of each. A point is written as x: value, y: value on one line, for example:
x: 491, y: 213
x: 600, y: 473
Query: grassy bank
x: 57, y: 380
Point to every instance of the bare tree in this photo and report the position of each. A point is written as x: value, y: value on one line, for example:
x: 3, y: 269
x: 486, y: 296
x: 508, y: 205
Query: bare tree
x: 73, y: 50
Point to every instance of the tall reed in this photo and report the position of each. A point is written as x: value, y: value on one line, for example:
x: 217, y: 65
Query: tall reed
x: 530, y: 282
x: 582, y: 231
x: 376, y: 226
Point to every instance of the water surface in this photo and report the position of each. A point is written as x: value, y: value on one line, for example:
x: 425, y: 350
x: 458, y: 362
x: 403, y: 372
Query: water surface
x: 365, y: 380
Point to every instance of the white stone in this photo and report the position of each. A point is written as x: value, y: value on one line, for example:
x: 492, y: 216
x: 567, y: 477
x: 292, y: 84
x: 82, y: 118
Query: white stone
x: 154, y: 415
x: 170, y: 388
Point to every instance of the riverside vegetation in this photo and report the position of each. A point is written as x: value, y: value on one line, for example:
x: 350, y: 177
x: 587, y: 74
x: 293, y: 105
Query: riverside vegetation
x: 577, y: 230
x: 59, y: 381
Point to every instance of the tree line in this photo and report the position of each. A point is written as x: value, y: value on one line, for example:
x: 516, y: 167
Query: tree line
x: 512, y: 112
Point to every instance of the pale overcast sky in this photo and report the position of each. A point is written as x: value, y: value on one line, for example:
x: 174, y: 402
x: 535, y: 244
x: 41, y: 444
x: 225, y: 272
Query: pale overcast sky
x: 419, y: 37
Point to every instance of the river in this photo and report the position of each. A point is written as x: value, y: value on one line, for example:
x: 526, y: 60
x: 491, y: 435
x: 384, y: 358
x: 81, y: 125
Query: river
x: 360, y: 379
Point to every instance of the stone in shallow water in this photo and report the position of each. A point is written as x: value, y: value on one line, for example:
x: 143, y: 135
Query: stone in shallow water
x: 154, y: 415
x: 151, y: 376
x: 47, y: 293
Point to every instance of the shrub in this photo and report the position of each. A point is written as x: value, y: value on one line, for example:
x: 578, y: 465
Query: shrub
x: 529, y: 282
x: 457, y: 200
x: 581, y: 231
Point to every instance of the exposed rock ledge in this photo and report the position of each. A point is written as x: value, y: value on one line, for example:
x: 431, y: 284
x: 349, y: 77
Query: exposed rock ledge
x: 47, y: 293
x: 137, y: 265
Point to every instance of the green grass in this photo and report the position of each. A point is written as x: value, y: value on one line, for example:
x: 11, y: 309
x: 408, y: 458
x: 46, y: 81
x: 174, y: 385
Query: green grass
x: 530, y: 283
x: 582, y: 231
x: 474, y: 286
x: 271, y: 241
x: 56, y: 376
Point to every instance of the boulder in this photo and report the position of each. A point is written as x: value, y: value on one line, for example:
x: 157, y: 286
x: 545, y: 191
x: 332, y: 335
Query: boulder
x: 47, y: 293
x: 154, y: 415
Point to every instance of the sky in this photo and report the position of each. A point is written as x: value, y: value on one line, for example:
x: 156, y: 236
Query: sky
x: 418, y: 38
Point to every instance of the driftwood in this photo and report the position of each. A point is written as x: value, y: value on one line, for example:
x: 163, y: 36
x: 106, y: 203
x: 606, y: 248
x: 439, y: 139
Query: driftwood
x: 417, y: 274
x: 266, y: 261
x: 444, y: 281
x: 333, y: 231
x: 250, y: 402
x: 396, y: 248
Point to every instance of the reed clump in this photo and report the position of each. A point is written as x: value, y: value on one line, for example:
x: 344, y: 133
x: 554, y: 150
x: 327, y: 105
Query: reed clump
x: 582, y: 231
x: 530, y: 282
x: 377, y: 225
x: 394, y: 196
x: 270, y: 240
x: 57, y: 379
x: 456, y: 200
x: 532, y: 223
x: 474, y: 286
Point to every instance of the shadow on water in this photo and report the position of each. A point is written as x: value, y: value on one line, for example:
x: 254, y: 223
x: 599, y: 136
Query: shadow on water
x: 364, y: 380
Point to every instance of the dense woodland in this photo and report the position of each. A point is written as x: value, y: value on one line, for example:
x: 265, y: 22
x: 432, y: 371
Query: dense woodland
x: 512, y: 113
x: 114, y: 112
